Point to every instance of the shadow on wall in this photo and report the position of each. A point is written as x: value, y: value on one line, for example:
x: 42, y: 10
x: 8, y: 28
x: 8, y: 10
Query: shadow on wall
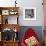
x: 37, y: 29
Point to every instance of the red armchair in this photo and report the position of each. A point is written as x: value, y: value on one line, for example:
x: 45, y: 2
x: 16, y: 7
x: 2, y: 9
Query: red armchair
x: 29, y: 33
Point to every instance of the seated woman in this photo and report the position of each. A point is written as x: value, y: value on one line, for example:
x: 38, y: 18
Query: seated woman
x: 30, y: 38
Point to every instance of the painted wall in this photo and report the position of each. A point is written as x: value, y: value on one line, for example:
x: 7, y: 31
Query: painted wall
x: 27, y: 3
x: 7, y: 3
x: 39, y: 12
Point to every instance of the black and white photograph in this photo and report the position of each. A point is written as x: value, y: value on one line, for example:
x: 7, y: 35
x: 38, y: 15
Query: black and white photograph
x: 29, y: 13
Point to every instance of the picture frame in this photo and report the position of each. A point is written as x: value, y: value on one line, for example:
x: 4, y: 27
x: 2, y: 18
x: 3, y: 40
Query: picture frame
x: 5, y: 12
x: 29, y: 13
x: 0, y: 19
x: 0, y: 36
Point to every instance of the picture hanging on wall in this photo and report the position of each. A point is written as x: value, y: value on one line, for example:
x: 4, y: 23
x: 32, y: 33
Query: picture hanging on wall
x: 29, y: 13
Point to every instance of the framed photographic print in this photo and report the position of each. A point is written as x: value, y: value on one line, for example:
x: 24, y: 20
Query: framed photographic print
x: 0, y: 19
x: 0, y: 36
x: 29, y: 13
x: 5, y: 12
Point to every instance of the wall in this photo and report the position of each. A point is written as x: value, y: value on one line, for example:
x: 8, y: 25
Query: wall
x: 27, y: 3
x: 7, y: 3
x: 39, y: 12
